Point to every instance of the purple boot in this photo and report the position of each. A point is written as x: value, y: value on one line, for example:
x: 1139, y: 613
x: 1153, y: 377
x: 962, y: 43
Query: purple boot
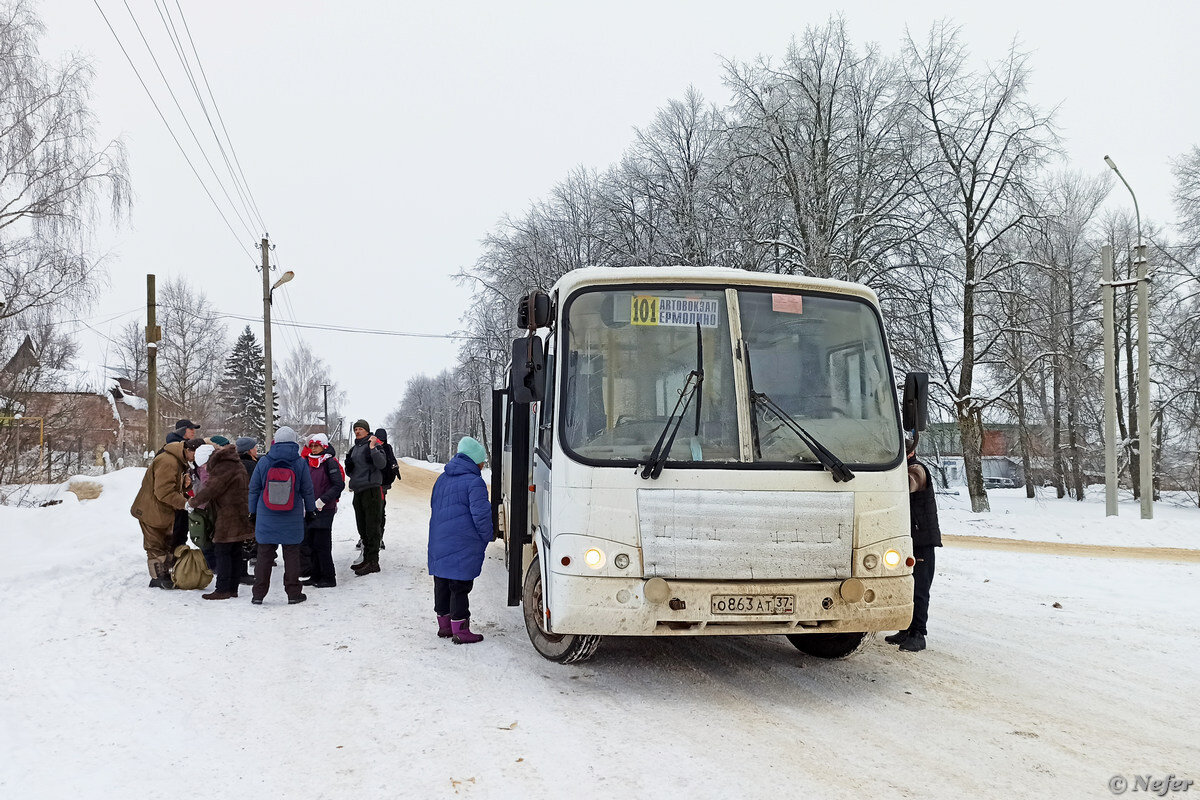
x: 462, y: 632
x: 444, y: 630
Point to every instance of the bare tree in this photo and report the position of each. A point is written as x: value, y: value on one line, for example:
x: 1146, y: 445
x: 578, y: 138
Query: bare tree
x: 983, y: 145
x: 301, y: 390
x: 53, y: 178
x: 192, y: 352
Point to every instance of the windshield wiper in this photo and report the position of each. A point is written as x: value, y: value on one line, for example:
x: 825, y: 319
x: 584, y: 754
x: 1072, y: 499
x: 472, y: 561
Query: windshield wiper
x: 691, y: 387
x: 828, y: 460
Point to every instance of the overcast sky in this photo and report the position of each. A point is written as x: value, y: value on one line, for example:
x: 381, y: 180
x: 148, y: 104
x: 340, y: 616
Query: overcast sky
x: 383, y: 140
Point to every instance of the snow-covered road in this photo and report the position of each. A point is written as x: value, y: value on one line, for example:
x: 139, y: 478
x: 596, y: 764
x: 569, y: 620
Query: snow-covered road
x: 110, y: 689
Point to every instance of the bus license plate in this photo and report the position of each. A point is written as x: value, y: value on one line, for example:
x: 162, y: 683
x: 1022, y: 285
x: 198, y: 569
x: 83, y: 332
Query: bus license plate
x: 753, y: 604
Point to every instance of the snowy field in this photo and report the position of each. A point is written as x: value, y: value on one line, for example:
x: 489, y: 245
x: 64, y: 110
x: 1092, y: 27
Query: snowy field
x: 113, y: 690
x: 1045, y: 518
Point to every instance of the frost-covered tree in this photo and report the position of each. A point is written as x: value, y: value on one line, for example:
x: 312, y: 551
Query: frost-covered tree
x: 54, y: 181
x: 983, y: 144
x: 191, y: 351
x: 243, y: 387
x: 300, y: 391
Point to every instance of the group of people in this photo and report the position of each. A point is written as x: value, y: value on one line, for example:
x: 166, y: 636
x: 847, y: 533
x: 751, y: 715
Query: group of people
x: 241, y: 507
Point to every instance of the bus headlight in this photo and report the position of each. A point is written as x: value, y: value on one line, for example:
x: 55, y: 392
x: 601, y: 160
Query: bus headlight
x: 891, y: 559
x: 621, y: 560
x: 595, y: 558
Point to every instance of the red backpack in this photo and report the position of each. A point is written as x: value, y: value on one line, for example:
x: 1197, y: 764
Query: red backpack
x: 279, y: 491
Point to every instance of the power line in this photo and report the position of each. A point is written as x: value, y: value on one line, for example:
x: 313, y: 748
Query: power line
x: 164, y: 14
x: 217, y: 109
x: 348, y: 329
x: 182, y: 113
x: 174, y: 138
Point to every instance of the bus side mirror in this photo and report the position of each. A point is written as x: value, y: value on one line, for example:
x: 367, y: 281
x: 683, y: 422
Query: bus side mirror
x: 533, y: 311
x: 915, y: 409
x: 528, y: 379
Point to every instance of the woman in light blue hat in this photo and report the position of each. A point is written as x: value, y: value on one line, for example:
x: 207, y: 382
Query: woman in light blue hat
x: 460, y: 528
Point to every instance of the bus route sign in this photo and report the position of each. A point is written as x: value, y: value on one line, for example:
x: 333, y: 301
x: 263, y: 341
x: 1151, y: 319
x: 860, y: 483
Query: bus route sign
x: 675, y: 311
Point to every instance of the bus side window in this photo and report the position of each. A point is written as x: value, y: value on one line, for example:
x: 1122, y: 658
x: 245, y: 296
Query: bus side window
x: 546, y: 410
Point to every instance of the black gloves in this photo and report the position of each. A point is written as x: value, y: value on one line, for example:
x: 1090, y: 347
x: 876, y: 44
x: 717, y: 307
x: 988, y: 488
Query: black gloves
x: 309, y: 516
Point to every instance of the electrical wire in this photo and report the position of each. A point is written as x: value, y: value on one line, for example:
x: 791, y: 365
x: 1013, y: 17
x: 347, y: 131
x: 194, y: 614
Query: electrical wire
x: 217, y: 110
x: 186, y: 122
x: 174, y: 138
x: 164, y: 14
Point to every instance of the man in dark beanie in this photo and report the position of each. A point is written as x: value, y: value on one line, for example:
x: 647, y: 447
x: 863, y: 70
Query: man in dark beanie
x: 364, y: 470
x: 926, y: 536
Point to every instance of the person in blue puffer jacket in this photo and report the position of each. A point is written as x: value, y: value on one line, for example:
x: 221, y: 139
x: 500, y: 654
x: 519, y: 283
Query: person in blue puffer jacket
x: 274, y: 527
x: 460, y: 528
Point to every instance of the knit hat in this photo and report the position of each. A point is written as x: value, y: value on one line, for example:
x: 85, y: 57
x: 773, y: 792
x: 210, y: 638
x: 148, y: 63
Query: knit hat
x: 362, y: 423
x: 245, y: 444
x: 473, y: 450
x: 318, y: 438
x: 218, y: 440
x: 286, y: 434
x: 202, y: 454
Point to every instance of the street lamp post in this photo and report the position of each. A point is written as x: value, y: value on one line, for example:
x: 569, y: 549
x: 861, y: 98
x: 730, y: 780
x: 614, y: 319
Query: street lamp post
x: 1145, y: 453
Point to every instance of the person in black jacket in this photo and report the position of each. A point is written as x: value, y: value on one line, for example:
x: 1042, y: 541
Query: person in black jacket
x: 364, y: 470
x: 926, y: 536
x: 391, y: 474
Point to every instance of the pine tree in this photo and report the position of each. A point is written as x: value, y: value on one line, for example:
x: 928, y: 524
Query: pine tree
x: 243, y: 386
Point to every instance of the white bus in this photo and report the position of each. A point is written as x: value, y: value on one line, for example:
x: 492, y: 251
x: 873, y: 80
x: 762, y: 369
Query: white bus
x: 704, y: 451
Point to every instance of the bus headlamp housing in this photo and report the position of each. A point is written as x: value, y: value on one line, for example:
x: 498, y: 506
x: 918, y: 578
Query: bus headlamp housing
x: 891, y: 559
x: 593, y: 557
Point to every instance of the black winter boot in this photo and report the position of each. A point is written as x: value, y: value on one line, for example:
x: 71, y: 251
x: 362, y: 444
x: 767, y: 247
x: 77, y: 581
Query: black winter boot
x: 163, y: 581
x: 899, y: 637
x: 915, y: 643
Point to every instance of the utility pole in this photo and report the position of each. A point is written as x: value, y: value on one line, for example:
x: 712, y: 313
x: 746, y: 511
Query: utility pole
x: 325, y: 389
x: 1145, y: 439
x: 269, y: 391
x: 1110, y: 386
x: 153, y: 336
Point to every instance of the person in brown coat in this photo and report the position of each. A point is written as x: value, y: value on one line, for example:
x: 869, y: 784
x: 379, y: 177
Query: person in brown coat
x: 224, y: 492
x: 154, y: 508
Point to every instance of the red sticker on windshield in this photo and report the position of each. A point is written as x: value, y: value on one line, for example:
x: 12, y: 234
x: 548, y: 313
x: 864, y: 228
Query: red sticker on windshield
x: 787, y: 303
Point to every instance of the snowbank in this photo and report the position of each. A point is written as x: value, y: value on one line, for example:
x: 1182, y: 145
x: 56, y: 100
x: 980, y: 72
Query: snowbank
x: 1048, y: 519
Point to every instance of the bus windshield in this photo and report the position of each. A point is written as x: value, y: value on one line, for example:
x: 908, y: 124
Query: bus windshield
x: 820, y: 360
x: 628, y: 357
x: 628, y: 353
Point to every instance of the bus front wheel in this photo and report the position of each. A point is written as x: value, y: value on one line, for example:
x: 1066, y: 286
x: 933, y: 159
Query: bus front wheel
x: 827, y: 645
x: 566, y: 648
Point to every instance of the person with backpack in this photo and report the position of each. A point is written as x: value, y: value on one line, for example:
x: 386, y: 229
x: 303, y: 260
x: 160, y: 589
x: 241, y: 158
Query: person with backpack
x: 364, y: 468
x: 460, y: 529
x: 281, y: 500
x: 328, y: 482
x: 223, y: 493
x: 159, y: 499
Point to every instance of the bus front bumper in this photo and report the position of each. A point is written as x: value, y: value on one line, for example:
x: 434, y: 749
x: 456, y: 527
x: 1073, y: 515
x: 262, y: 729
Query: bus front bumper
x: 603, y: 606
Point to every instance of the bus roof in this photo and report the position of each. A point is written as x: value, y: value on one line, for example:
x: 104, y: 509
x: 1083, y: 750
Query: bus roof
x: 593, y: 276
